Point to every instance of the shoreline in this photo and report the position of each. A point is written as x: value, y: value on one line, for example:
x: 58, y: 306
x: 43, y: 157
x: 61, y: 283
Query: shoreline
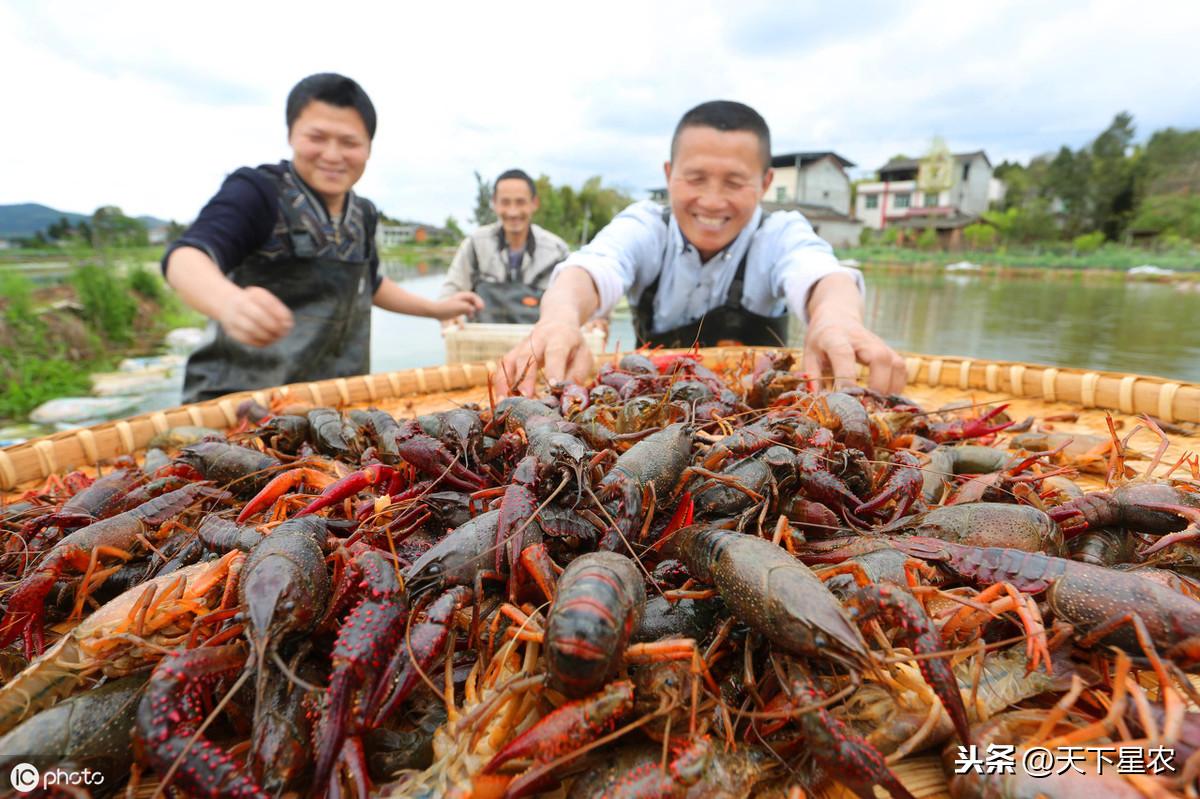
x: 1115, y: 274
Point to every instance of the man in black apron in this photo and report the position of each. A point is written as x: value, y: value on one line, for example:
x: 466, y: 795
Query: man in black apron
x: 283, y: 260
x: 508, y: 262
x: 710, y: 268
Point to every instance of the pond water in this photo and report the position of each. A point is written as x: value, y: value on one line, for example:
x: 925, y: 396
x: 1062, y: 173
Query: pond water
x: 1065, y: 320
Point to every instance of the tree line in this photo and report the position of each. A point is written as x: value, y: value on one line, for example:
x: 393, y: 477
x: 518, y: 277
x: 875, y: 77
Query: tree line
x: 1111, y: 189
x: 108, y: 227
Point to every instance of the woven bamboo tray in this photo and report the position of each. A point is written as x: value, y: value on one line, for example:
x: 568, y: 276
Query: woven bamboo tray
x: 933, y: 381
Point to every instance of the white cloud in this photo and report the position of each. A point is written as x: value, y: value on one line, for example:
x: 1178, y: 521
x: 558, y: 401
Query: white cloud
x: 148, y: 105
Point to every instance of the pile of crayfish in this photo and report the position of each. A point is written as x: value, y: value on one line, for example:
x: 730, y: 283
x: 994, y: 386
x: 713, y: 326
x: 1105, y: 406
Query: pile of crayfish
x: 673, y: 581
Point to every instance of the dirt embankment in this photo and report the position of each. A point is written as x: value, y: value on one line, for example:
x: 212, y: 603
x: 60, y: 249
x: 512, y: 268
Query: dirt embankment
x: 66, y: 332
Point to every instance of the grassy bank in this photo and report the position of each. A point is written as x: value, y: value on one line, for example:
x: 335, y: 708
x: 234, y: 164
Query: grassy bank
x: 1052, y: 256
x: 53, y: 337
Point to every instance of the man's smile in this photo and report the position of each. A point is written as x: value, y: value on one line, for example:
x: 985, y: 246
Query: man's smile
x: 711, y: 222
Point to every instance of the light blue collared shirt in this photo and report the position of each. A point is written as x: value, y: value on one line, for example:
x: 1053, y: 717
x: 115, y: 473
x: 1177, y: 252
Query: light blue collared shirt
x: 786, y: 260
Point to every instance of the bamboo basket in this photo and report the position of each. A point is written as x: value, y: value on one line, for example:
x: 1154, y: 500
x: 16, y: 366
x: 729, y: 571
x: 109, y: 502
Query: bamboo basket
x: 933, y: 380
x: 479, y: 342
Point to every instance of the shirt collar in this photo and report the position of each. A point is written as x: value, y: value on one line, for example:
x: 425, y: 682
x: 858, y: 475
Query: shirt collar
x: 502, y: 243
x: 681, y: 245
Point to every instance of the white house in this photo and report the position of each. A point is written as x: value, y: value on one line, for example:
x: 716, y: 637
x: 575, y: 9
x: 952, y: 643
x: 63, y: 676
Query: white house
x: 944, y: 192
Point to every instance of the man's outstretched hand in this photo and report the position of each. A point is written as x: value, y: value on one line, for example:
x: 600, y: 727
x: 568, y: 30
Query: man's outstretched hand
x: 835, y: 344
x: 556, y: 348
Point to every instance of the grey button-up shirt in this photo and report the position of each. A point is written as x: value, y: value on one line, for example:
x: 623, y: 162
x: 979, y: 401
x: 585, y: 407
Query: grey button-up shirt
x: 487, y: 248
x: 786, y: 260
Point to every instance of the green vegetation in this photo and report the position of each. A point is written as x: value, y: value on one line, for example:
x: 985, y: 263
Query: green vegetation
x: 1087, y: 243
x: 484, y: 215
x: 148, y: 284
x: 1112, y: 186
x: 52, y: 339
x: 30, y: 381
x: 107, y: 304
x: 578, y: 214
x: 980, y: 236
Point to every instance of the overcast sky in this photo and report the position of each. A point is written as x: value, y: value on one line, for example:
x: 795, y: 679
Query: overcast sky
x: 149, y: 105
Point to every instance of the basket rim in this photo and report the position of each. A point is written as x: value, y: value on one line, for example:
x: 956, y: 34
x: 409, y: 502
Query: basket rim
x: 1127, y: 393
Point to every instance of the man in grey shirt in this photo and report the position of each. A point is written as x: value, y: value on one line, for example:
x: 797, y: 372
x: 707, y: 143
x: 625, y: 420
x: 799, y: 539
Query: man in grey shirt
x: 507, y: 263
x: 709, y: 268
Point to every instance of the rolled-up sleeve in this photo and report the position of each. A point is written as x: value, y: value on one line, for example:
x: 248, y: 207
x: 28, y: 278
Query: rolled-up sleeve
x: 623, y: 254
x: 802, y: 260
x: 235, y: 222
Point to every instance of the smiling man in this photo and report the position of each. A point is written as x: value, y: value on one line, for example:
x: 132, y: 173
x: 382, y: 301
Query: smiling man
x: 710, y: 268
x: 507, y: 263
x: 282, y: 259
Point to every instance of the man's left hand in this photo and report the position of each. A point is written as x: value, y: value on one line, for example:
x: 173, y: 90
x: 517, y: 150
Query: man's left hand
x: 836, y: 344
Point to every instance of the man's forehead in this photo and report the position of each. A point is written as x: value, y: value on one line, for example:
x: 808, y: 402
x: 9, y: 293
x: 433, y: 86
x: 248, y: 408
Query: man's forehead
x: 703, y: 147
x: 324, y: 117
x: 513, y: 186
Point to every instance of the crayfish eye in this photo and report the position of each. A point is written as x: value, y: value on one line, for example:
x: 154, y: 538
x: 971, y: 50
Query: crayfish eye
x: 435, y: 569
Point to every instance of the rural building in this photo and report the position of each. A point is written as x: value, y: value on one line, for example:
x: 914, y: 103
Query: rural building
x: 157, y: 235
x: 394, y: 234
x: 816, y: 185
x: 941, y: 191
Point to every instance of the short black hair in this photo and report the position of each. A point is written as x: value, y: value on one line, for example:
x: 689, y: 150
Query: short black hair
x: 337, y: 90
x: 726, y: 115
x: 515, y: 174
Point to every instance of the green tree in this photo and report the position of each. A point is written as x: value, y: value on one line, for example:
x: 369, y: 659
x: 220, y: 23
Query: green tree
x: 928, y: 240
x: 1113, y: 177
x: 1069, y: 180
x: 1169, y: 215
x: 1016, y: 183
x: 980, y: 236
x: 452, y: 226
x: 60, y: 230
x: 1029, y: 222
x: 174, y: 230
x: 577, y: 215
x: 484, y: 215
x: 1171, y: 163
x: 1087, y: 243
x: 111, y: 228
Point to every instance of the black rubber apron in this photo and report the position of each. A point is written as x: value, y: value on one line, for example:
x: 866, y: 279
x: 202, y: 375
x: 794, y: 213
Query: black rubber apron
x: 330, y: 300
x: 727, y: 324
x: 509, y: 302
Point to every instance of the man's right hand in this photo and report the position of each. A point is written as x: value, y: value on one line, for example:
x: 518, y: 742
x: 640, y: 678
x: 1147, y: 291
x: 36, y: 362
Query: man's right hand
x: 556, y: 347
x: 256, y: 317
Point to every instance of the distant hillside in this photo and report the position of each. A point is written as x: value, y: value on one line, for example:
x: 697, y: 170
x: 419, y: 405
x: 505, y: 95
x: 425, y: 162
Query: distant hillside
x: 25, y: 219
